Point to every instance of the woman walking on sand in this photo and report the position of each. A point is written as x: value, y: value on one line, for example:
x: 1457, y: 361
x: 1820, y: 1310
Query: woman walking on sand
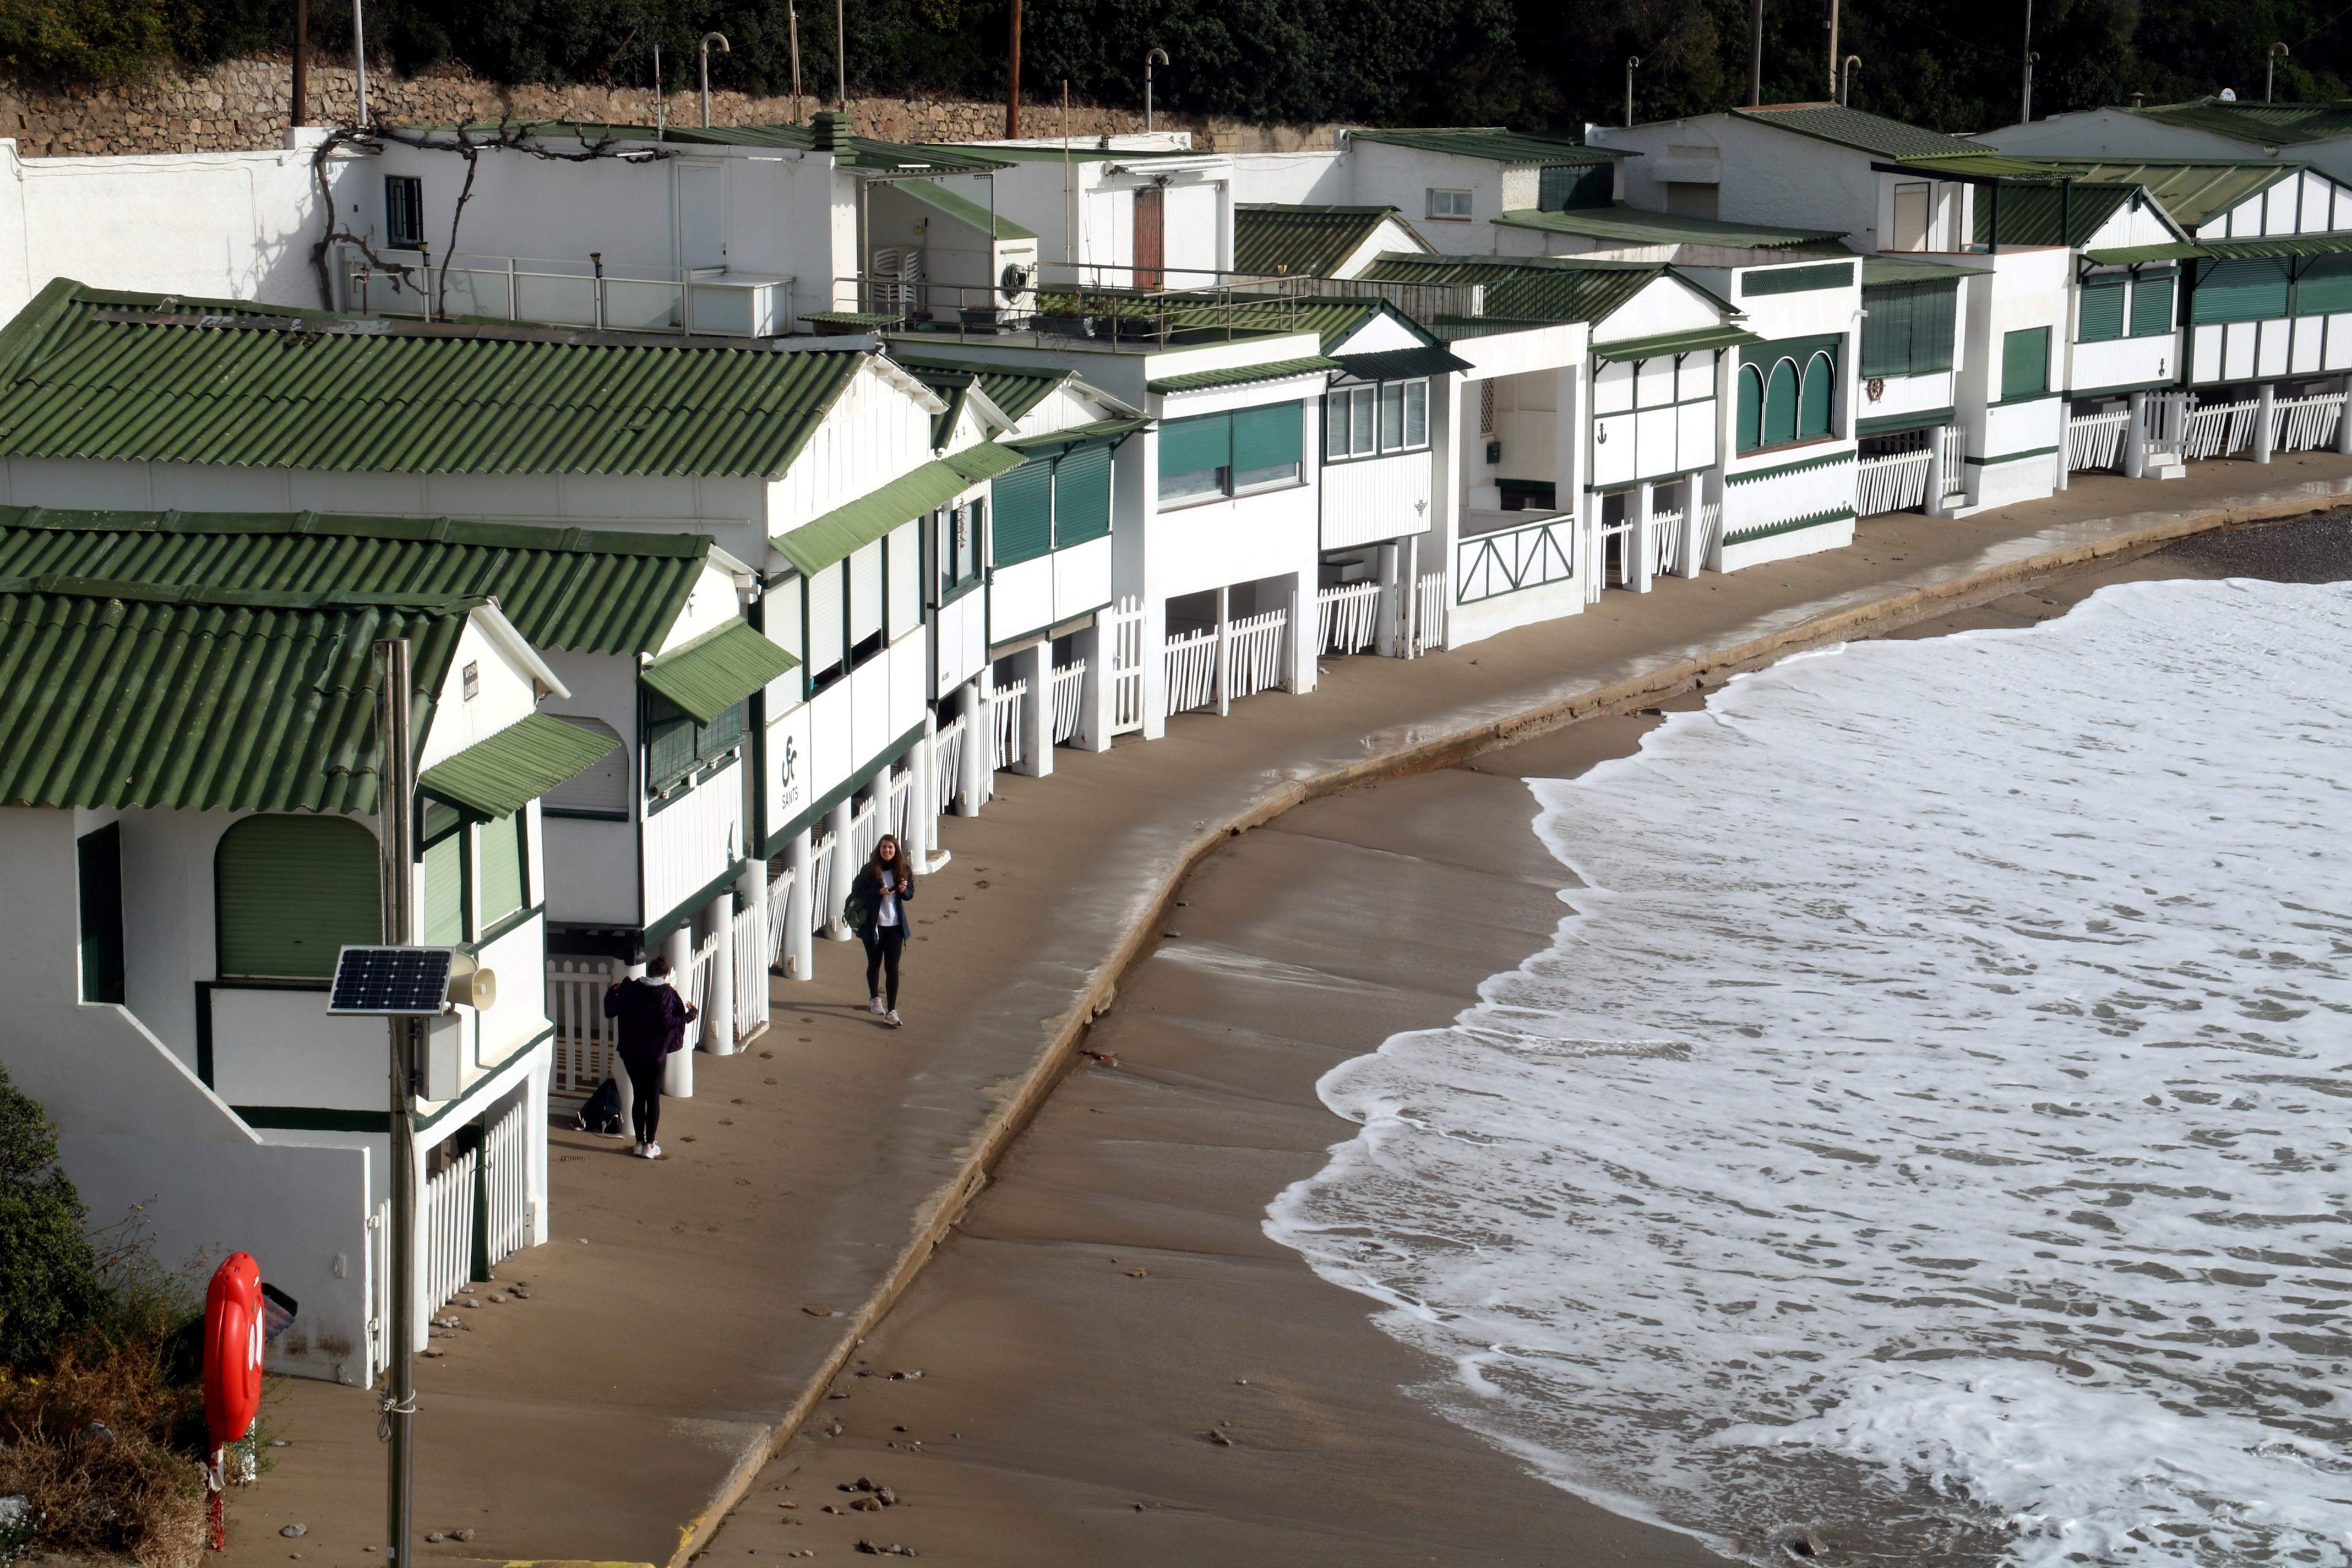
x: 875, y: 910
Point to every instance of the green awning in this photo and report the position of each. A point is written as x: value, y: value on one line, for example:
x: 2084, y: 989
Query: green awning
x: 1675, y: 343
x: 1403, y: 365
x: 1243, y: 375
x: 2226, y: 249
x: 847, y: 529
x: 1075, y: 435
x: 522, y: 762
x: 717, y: 669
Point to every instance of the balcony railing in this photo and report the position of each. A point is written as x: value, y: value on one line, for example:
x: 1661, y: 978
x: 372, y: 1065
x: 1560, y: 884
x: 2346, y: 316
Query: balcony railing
x: 539, y: 290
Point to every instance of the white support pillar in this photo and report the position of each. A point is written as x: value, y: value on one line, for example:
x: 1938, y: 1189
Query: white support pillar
x: 1393, y: 633
x: 799, y: 923
x: 1155, y: 667
x: 1641, y: 552
x: 2135, y: 437
x: 842, y: 861
x: 677, y: 1073
x: 1302, y: 648
x: 1224, y: 652
x: 1095, y: 716
x: 719, y: 1012
x: 2065, y: 451
x: 1590, y: 559
x: 923, y: 803
x: 1693, y: 488
x: 972, y: 763
x: 2344, y: 420
x: 1036, y: 667
x: 2265, y: 421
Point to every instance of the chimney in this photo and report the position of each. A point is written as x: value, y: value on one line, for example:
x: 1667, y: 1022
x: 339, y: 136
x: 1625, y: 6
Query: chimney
x: 831, y: 131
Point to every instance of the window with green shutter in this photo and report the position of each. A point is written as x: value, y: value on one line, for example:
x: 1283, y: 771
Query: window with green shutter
x: 2025, y: 363
x: 97, y: 859
x: 1887, y: 330
x: 2325, y: 286
x: 1814, y: 403
x: 289, y: 891
x: 2099, y: 317
x: 1780, y: 393
x: 502, y: 864
x: 2241, y: 291
x: 1194, y: 455
x: 1563, y: 187
x: 445, y: 875
x: 1751, y: 407
x: 2151, y: 303
x: 1934, y: 323
x: 1023, y: 502
x: 1267, y: 444
x: 1082, y: 495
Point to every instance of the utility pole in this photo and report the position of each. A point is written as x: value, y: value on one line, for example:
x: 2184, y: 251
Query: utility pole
x: 359, y: 56
x: 2025, y: 114
x: 396, y: 806
x: 793, y: 24
x: 1834, y: 51
x: 301, y: 115
x: 1755, y: 54
x: 1632, y: 61
x: 1012, y: 80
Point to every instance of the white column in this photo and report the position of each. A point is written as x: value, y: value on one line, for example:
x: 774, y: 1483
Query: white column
x: 842, y: 859
x: 1300, y: 644
x: 800, y: 939
x: 1692, y: 488
x: 752, y: 894
x: 1036, y: 666
x: 1641, y: 554
x: 2266, y: 417
x: 923, y: 810
x: 1224, y: 652
x: 535, y: 1112
x: 2135, y: 438
x: 2066, y: 447
x: 1155, y: 666
x: 972, y: 763
x: 718, y: 1010
x: 677, y: 1073
x: 1094, y: 646
x: 1393, y: 633
x: 2344, y: 420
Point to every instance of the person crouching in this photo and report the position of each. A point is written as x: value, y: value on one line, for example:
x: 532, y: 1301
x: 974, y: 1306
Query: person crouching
x: 652, y: 1018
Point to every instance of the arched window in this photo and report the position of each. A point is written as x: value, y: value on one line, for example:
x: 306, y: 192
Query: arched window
x: 1813, y: 411
x: 1751, y: 407
x: 1780, y: 395
x: 289, y: 891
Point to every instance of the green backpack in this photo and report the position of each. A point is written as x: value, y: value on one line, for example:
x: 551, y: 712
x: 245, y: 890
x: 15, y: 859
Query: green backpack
x: 857, y: 909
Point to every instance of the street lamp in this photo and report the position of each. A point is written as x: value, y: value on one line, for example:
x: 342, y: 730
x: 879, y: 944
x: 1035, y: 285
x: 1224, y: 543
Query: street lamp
x: 2269, y: 65
x: 1845, y: 85
x: 1158, y: 56
x: 1631, y: 62
x: 724, y: 48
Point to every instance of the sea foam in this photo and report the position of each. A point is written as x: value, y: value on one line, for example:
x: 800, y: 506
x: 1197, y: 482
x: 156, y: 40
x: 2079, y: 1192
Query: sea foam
x: 1926, y: 1130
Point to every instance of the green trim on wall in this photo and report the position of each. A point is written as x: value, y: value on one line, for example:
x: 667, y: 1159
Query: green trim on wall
x: 2013, y: 456
x: 1896, y: 423
x: 1797, y: 280
x: 1820, y: 519
x: 2127, y: 386
x: 1826, y: 461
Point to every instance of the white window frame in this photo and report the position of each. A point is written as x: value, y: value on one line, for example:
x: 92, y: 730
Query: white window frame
x: 1448, y: 204
x: 1353, y: 419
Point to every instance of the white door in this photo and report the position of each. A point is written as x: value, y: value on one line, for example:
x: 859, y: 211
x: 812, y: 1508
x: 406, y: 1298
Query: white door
x: 701, y: 214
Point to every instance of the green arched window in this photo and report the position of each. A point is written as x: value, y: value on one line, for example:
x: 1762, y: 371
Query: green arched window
x: 289, y: 891
x: 1752, y: 408
x: 1814, y: 409
x: 1781, y: 403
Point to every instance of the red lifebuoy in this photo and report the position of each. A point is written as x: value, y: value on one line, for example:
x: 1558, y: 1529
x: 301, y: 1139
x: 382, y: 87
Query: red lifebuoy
x: 233, y: 1350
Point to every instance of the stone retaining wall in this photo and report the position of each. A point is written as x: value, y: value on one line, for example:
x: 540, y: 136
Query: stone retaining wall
x: 241, y: 105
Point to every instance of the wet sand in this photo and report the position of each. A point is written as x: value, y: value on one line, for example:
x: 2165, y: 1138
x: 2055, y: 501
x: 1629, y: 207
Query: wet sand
x: 1116, y: 1365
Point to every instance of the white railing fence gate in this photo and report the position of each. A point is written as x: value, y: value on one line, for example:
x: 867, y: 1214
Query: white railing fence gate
x: 1069, y: 699
x: 1126, y: 640
x: 1191, y: 661
x: 1895, y: 481
x: 1347, y: 616
x: 1429, y: 613
x: 1254, y: 655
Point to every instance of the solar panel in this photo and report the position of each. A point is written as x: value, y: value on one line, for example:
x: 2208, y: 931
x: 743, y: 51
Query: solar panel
x: 391, y: 981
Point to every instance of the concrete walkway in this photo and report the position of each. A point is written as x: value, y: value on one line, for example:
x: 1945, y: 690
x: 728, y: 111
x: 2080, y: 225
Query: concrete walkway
x: 687, y: 1315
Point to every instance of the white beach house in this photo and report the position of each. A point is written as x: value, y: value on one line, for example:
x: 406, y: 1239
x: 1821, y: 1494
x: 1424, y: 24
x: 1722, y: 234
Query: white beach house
x: 188, y: 797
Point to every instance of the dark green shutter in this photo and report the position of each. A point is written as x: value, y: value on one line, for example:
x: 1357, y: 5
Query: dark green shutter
x: 1561, y: 187
x: 1887, y: 330
x: 444, y: 889
x: 289, y: 891
x: 2025, y: 363
x: 1752, y: 408
x: 1814, y: 409
x: 2100, y: 319
x: 1193, y: 446
x: 1934, y: 322
x: 98, y: 862
x: 1781, y: 395
x: 2241, y: 291
x: 2151, y: 304
x: 501, y: 867
x: 1023, y: 501
x: 1082, y: 495
x: 2325, y: 286
x: 1266, y: 438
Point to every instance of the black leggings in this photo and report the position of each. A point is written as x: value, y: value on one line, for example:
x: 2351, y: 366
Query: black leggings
x: 645, y: 1097
x: 881, y: 957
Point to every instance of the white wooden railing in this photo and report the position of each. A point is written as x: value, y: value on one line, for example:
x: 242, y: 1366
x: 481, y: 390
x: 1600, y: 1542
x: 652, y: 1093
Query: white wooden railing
x: 2306, y: 424
x: 865, y: 830
x: 753, y: 946
x: 1254, y: 651
x: 1069, y: 699
x: 507, y: 1184
x: 1347, y: 616
x: 1896, y: 482
x: 1191, y: 661
x: 1710, y: 530
x: 947, y: 760
x: 695, y: 987
x: 1955, y: 468
x: 449, y: 1230
x: 584, y: 1036
x: 1005, y: 706
x: 1511, y: 559
x: 820, y: 879
x: 2096, y: 440
x: 1429, y: 613
x: 2218, y: 430
x: 779, y: 905
x: 1126, y: 630
x: 1666, y: 542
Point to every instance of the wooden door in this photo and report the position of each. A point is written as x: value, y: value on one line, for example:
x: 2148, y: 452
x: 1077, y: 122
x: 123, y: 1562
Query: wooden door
x: 1150, y: 237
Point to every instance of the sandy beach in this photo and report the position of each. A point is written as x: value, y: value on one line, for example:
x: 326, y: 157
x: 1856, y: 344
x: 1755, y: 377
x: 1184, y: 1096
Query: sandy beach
x: 1110, y: 1362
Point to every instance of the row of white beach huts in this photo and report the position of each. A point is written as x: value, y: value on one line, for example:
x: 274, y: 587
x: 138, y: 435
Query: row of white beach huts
x: 747, y: 493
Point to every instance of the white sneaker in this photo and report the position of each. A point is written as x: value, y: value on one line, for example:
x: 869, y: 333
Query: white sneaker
x: 639, y: 1150
x: 653, y: 1151
x: 895, y: 1022
x: 874, y: 1005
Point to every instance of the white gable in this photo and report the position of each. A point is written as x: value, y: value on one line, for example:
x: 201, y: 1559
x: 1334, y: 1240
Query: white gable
x: 1378, y: 333
x: 2304, y: 203
x: 1391, y: 235
x: 878, y: 428
x: 2134, y: 223
x: 1666, y: 304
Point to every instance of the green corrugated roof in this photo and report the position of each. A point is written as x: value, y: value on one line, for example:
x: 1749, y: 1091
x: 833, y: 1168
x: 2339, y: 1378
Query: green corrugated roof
x: 90, y: 372
x: 1872, y: 133
x: 1281, y: 239
x: 561, y: 588
x: 846, y: 529
x: 1243, y: 375
x: 1697, y: 338
x: 1403, y: 365
x: 1070, y: 436
x: 1630, y: 226
x: 2046, y: 214
x: 1493, y: 142
x: 1527, y: 289
x: 2264, y: 124
x: 1982, y: 166
x: 1882, y: 271
x: 499, y: 777
x: 2225, y: 249
x: 138, y: 695
x: 2190, y: 192
x: 963, y: 209
x: 1015, y: 389
x: 717, y: 669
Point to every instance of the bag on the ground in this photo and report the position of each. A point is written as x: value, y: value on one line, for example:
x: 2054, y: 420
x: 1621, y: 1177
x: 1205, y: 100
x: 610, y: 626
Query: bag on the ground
x: 601, y: 1114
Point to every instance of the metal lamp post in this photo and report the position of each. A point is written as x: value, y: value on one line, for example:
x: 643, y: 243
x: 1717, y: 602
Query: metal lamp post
x: 724, y: 48
x: 2270, y: 68
x: 1159, y: 57
x: 1846, y: 81
x: 1631, y: 62
x: 396, y: 809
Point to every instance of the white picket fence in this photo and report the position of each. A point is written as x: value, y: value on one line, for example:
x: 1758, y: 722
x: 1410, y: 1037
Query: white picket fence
x: 1429, y: 613
x: 1347, y: 616
x: 1005, y: 710
x: 1254, y: 651
x: 1954, y: 465
x: 2096, y: 440
x: 820, y: 879
x: 752, y: 948
x: 1126, y: 631
x: 584, y: 1036
x: 1895, y: 482
x: 780, y: 906
x: 946, y: 760
x: 1710, y: 530
x: 898, y: 811
x: 1069, y: 699
x: 448, y: 1260
x: 1666, y: 542
x: 865, y: 830
x: 1191, y: 661
x: 2306, y: 424
x: 506, y: 1182
x: 2218, y: 430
